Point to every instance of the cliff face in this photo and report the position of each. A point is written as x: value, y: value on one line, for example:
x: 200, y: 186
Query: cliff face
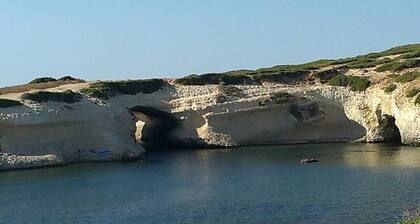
x: 76, y: 133
x: 94, y: 130
x: 276, y: 114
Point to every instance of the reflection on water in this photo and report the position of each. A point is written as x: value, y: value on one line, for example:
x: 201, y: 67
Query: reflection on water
x: 382, y: 155
x: 352, y: 183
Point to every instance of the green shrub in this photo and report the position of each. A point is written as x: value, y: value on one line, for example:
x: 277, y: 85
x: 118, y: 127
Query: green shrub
x: 358, y: 83
x: 43, y: 80
x: 383, y: 61
x: 196, y: 80
x: 294, y: 68
x: 316, y: 64
x: 409, y: 55
x: 343, y: 61
x: 398, y: 66
x: 393, y: 75
x: 362, y: 63
x: 339, y: 80
x: 407, y: 77
x: 417, y: 101
x: 105, y: 90
x: 297, y: 73
x: 354, y: 82
x: 241, y: 72
x: 9, y: 103
x: 69, y: 78
x: 390, y: 88
x: 237, y: 80
x: 387, y: 67
x: 326, y: 75
x: 229, y: 78
x: 396, y: 50
x: 365, y: 62
x: 413, y: 92
x: 287, y: 77
x: 67, y: 96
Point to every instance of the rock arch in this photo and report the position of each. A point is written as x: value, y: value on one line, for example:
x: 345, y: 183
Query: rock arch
x: 154, y: 127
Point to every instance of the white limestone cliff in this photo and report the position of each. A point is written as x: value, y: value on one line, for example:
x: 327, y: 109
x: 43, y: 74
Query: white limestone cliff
x: 50, y: 133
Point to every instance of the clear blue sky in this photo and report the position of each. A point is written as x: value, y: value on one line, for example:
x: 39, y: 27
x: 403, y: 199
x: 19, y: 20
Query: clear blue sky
x: 104, y: 39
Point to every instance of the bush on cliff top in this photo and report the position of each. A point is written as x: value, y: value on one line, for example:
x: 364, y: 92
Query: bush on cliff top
x: 43, y: 80
x: 396, y: 66
x: 408, y: 48
x: 300, y: 67
x: 105, y: 90
x: 296, y: 73
x: 50, y: 79
x: 366, y: 62
x: 354, y: 82
x: 69, y: 78
x: 408, y: 77
x: 390, y: 88
x: 9, y: 103
x: 326, y: 75
x: 339, y: 80
x: 278, y: 73
x: 413, y: 92
x: 67, y: 96
x: 414, y: 54
x: 233, y: 78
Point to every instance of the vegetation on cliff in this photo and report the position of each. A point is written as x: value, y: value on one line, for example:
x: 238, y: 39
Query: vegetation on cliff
x: 43, y: 80
x: 390, y: 88
x: 67, y: 96
x: 217, y: 78
x: 40, y: 84
x: 326, y: 75
x: 395, y: 66
x: 105, y: 90
x: 413, y: 92
x: 354, y: 82
x: 69, y: 78
x: 413, y: 54
x: 290, y: 74
x: 4, y: 103
x: 51, y: 79
x: 408, y: 77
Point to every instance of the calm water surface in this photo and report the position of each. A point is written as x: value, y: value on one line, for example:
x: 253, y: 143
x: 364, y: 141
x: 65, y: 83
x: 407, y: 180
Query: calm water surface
x: 353, y: 183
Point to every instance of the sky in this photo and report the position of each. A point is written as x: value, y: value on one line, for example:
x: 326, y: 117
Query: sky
x: 136, y: 39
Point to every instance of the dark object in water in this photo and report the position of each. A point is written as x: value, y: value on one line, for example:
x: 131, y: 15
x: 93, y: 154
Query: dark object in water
x: 311, y: 160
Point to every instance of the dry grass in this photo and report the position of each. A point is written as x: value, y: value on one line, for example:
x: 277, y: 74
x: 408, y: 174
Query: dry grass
x: 36, y: 86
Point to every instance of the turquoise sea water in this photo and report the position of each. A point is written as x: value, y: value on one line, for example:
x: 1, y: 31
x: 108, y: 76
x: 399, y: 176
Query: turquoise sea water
x: 352, y: 183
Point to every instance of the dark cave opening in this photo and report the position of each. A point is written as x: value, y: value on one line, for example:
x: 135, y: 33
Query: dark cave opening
x: 390, y: 131
x: 154, y: 127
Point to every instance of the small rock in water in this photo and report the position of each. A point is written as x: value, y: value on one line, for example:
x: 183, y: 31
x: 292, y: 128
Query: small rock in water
x: 311, y: 160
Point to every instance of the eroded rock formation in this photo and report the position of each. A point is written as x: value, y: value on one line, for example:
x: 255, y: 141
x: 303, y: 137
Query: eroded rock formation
x: 278, y: 108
